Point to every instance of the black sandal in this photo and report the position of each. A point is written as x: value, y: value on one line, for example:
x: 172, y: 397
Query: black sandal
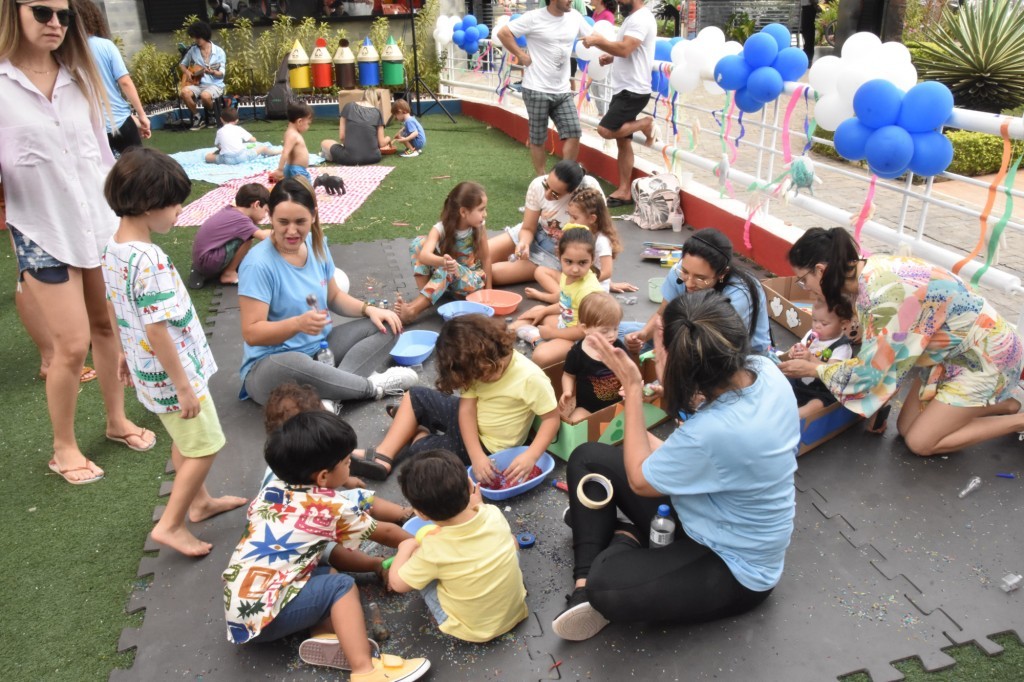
x: 370, y: 465
x: 880, y: 419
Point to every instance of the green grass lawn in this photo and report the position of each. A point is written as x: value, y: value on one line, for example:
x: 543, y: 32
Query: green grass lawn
x: 71, y: 554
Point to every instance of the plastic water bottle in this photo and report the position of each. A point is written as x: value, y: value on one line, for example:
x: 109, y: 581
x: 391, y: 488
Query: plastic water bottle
x: 325, y: 355
x: 663, y: 528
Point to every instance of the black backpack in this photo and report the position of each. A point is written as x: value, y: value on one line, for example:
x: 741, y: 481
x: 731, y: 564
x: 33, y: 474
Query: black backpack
x: 280, y: 93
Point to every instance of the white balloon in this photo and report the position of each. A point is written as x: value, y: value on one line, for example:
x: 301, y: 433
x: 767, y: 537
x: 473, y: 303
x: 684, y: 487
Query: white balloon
x: 851, y: 77
x: 904, y: 76
x: 824, y: 75
x: 707, y: 65
x: 730, y: 48
x: 712, y: 88
x: 597, y: 71
x: 712, y: 34
x: 679, y: 53
x: 587, y: 54
x: 605, y: 29
x: 894, y: 53
x: 861, y: 45
x: 446, y: 36
x: 694, y: 52
x: 831, y: 110
x: 341, y: 279
x: 684, y: 79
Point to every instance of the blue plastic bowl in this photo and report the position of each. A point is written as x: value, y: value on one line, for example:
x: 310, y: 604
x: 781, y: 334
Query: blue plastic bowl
x: 457, y: 308
x: 502, y: 459
x: 413, y: 347
x: 414, y: 524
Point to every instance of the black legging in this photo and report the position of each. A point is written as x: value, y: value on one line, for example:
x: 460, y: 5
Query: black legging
x: 683, y: 583
x: 128, y: 136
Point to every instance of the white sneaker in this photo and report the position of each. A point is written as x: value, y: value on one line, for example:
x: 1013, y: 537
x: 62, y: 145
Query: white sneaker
x: 331, y: 406
x: 393, y: 381
x: 410, y: 154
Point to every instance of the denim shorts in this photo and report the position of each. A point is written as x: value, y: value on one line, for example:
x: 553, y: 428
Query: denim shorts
x: 310, y: 606
x: 235, y: 158
x: 31, y: 258
x: 543, y: 249
x: 429, y: 594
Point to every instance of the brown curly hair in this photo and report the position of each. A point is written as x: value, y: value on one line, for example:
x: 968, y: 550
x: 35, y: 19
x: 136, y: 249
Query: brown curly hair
x: 288, y: 400
x: 471, y: 348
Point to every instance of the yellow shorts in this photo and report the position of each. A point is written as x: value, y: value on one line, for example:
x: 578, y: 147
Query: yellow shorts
x: 200, y: 436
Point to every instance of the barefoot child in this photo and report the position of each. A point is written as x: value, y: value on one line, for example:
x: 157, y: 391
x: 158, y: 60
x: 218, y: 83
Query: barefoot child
x: 454, y: 255
x: 501, y: 394
x: 468, y: 568
x: 225, y: 238
x: 234, y: 143
x: 273, y: 585
x: 557, y: 323
x: 586, y: 382
x: 587, y: 208
x: 165, y: 353
x: 294, y: 154
x: 411, y: 136
x: 826, y: 342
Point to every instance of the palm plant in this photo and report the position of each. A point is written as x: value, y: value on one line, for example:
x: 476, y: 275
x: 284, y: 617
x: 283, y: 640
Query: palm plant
x: 978, y: 52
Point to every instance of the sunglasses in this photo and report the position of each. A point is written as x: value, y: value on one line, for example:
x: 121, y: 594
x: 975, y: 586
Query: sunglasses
x: 547, y: 188
x: 44, y: 14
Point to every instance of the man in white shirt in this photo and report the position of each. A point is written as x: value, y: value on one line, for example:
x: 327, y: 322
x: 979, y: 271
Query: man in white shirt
x: 631, y: 55
x: 549, y: 32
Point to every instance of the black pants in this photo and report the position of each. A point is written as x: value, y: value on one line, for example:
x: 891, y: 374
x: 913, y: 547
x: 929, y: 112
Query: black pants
x: 127, y: 136
x: 683, y: 583
x: 439, y: 413
x: 808, y: 14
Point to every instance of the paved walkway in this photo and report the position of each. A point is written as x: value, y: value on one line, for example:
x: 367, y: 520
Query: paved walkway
x: 943, y: 226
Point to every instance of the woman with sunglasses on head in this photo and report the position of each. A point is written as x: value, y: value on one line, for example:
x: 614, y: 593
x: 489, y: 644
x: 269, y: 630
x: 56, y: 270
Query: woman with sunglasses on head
x: 534, y: 241
x: 914, y: 315
x: 54, y: 157
x: 708, y: 262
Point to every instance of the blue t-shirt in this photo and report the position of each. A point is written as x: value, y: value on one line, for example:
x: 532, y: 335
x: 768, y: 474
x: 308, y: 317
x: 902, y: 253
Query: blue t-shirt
x: 110, y: 64
x: 729, y: 473
x: 218, y: 62
x: 408, y: 126
x: 266, y: 276
x: 739, y: 296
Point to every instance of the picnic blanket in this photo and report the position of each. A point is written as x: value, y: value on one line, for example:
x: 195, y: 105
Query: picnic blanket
x: 360, y: 181
x: 194, y: 163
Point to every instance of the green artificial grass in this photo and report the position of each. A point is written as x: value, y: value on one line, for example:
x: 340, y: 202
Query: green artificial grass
x: 71, y: 553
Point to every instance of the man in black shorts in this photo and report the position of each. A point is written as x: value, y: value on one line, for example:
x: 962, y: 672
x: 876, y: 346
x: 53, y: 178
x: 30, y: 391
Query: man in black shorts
x: 631, y: 55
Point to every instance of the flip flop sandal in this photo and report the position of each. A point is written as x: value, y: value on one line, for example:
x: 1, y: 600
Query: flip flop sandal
x: 370, y: 466
x: 880, y: 420
x: 615, y: 202
x: 140, y: 435
x: 63, y: 473
x: 85, y: 378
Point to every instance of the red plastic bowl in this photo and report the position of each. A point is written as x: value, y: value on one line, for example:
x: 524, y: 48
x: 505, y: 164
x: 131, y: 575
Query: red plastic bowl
x: 503, y: 302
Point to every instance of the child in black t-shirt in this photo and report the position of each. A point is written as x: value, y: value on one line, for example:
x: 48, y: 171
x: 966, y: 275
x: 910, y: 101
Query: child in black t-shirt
x: 587, y: 384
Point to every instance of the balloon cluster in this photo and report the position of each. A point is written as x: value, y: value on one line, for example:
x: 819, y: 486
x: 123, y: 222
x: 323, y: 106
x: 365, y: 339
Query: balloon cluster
x: 864, y: 58
x: 694, y: 60
x: 591, y: 56
x: 468, y: 33
x: 759, y: 73
x: 896, y: 132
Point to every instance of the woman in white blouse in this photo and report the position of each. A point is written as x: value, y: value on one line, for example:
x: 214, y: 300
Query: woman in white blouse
x: 54, y: 158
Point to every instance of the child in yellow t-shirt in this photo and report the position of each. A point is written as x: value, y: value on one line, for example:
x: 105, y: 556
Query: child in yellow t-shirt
x: 468, y: 568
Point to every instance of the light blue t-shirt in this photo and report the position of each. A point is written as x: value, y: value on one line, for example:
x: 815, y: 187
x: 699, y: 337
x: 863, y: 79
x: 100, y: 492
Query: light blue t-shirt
x: 218, y: 62
x: 739, y: 296
x: 267, y: 277
x: 111, y: 66
x: 408, y: 126
x: 729, y: 473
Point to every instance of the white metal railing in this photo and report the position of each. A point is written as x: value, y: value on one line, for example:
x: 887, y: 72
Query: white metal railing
x: 763, y: 154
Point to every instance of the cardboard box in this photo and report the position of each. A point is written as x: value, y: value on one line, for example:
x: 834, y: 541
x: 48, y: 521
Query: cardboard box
x: 789, y: 304
x: 603, y: 426
x: 346, y: 96
x: 823, y: 425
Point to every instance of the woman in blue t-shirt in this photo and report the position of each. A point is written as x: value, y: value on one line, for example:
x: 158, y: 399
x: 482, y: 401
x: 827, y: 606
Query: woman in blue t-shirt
x: 726, y: 474
x: 286, y: 293
x: 707, y: 263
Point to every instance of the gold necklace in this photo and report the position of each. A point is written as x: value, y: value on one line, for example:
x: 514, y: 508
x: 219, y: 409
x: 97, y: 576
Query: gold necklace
x: 48, y: 72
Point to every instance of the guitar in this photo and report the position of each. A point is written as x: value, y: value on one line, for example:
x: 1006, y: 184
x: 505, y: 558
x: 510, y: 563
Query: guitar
x: 193, y: 74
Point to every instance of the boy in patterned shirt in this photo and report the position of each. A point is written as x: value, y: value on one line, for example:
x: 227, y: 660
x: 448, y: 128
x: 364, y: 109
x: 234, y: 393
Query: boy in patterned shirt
x: 164, y: 349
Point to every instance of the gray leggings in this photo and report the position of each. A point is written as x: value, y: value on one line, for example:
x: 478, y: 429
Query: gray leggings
x: 355, y: 344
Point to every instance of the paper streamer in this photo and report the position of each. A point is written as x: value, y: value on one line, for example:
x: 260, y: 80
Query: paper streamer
x: 997, y: 229
x: 809, y: 123
x: 865, y: 210
x: 600, y: 480
x: 787, y: 155
x: 993, y: 190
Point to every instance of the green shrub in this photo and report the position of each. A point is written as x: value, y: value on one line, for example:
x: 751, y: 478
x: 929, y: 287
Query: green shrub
x: 978, y: 153
x: 829, y: 14
x: 155, y: 74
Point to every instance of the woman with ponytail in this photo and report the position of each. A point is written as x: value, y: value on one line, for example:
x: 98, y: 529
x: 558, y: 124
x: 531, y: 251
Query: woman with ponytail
x: 913, y: 315
x: 726, y: 476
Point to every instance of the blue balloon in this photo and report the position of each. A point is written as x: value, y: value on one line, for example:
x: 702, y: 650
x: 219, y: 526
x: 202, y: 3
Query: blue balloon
x: 675, y: 40
x: 925, y: 107
x: 791, y: 63
x: 746, y: 103
x: 889, y: 151
x: 521, y: 41
x: 482, y: 31
x: 459, y: 26
x: 732, y: 72
x: 589, y: 20
x: 877, y: 103
x: 760, y: 50
x: 663, y: 50
x: 471, y: 35
x: 765, y: 84
x: 459, y: 37
x: 659, y: 82
x: 514, y: 17
x: 933, y: 152
x: 468, y: 21
x: 851, y: 139
x: 781, y: 35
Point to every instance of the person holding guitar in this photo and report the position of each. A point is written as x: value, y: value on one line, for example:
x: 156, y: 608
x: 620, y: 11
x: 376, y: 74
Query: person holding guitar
x: 202, y: 73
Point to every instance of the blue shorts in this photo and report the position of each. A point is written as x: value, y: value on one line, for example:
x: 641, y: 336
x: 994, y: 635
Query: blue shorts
x: 235, y: 158
x: 429, y: 594
x: 543, y: 249
x: 33, y: 259
x: 292, y: 170
x: 310, y: 606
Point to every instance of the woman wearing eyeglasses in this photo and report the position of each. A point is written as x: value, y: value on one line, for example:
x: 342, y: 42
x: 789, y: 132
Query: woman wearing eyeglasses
x: 708, y: 263
x: 54, y: 157
x: 914, y: 315
x: 535, y: 240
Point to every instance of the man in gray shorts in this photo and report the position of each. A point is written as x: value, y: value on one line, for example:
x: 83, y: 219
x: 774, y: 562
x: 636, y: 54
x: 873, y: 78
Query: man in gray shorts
x: 549, y: 32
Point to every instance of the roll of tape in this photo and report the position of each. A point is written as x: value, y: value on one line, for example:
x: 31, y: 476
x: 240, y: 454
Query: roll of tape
x: 600, y: 480
x: 526, y: 540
